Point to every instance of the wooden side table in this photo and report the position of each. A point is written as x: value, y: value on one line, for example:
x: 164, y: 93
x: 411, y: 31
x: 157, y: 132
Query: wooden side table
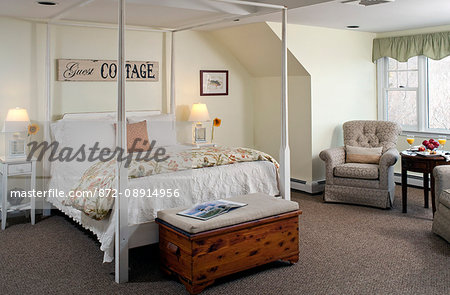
x: 13, y: 168
x: 420, y: 164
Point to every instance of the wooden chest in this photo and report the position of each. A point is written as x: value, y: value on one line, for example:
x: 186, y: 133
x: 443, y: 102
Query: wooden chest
x: 198, y: 259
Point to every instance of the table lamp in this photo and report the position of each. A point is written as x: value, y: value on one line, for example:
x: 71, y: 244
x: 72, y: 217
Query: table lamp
x: 15, y: 131
x: 199, y: 114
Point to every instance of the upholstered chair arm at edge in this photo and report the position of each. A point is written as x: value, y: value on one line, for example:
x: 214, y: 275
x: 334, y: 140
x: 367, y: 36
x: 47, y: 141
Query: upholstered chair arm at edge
x: 442, y: 180
x: 332, y: 157
x: 387, y: 161
x: 389, y: 158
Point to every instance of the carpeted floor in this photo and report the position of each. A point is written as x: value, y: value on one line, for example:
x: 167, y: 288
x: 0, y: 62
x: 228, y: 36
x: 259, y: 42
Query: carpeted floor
x: 344, y: 249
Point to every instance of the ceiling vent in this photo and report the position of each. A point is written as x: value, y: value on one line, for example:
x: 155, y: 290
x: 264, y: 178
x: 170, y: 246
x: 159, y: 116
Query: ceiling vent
x: 366, y: 2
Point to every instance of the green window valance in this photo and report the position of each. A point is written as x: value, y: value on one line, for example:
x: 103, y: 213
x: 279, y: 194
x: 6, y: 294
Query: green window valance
x: 434, y: 45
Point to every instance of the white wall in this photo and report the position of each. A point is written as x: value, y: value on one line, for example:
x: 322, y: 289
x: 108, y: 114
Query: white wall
x: 267, y: 114
x: 195, y: 51
x: 343, y: 84
x: 21, y: 73
x: 23, y: 79
x: 426, y: 30
x: 96, y: 43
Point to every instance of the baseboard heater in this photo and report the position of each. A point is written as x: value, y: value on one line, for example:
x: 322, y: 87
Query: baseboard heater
x: 413, y: 180
x: 310, y: 187
x: 316, y: 187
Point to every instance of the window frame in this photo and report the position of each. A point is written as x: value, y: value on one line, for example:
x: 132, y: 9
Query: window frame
x: 422, y: 97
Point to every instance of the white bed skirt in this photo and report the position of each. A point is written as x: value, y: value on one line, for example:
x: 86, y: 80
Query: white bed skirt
x: 194, y: 186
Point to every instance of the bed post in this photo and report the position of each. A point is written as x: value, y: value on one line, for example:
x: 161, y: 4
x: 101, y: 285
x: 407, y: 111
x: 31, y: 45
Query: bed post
x: 46, y: 206
x: 285, y: 161
x: 121, y: 201
x: 172, y: 74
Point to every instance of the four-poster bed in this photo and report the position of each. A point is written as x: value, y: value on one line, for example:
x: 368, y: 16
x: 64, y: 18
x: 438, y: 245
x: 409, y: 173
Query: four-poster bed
x: 136, y: 235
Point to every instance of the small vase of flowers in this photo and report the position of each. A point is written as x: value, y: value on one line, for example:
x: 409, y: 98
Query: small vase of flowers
x: 216, y: 123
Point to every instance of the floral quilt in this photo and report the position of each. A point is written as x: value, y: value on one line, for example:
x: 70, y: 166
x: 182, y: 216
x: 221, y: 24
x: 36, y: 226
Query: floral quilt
x: 94, y: 195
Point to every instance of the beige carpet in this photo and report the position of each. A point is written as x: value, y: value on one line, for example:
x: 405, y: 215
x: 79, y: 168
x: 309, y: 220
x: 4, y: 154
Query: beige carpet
x: 344, y: 249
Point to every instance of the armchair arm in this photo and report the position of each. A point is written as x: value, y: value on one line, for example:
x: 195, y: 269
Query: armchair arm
x: 442, y: 180
x: 332, y: 157
x: 389, y: 158
x: 387, y: 161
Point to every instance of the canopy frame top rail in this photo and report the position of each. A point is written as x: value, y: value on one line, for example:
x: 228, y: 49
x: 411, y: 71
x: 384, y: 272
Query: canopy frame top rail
x: 58, y: 19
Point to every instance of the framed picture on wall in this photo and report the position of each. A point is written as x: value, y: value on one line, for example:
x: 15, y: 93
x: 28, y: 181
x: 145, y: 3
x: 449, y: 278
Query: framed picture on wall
x: 213, y: 82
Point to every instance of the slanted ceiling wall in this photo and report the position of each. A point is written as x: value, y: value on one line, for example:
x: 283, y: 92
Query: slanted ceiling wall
x: 343, y: 82
x: 258, y: 48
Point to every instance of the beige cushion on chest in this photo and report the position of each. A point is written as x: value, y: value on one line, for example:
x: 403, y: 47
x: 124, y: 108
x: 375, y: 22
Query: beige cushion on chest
x: 356, y: 170
x: 355, y: 154
x: 258, y: 206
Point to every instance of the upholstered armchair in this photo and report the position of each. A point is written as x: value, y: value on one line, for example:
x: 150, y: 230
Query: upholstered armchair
x: 357, y: 183
x: 441, y: 221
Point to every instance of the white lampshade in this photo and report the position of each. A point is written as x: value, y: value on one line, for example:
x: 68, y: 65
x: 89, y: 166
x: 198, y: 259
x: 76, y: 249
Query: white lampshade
x: 199, y: 113
x: 17, y: 120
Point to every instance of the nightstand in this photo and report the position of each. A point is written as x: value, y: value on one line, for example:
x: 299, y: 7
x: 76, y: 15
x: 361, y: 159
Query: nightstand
x: 13, y: 168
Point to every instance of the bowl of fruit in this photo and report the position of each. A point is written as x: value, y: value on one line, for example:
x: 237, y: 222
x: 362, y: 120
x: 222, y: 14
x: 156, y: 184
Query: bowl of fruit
x: 429, y: 147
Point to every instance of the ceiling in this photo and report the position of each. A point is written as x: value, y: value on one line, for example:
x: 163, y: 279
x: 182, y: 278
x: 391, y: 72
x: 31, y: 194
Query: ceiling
x: 393, y: 16
x: 150, y: 13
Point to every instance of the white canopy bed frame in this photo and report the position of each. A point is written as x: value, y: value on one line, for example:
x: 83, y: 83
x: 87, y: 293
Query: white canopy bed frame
x: 127, y: 237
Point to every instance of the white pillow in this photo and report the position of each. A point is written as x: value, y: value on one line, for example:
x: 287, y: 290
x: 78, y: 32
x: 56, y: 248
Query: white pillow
x: 74, y: 134
x: 160, y: 128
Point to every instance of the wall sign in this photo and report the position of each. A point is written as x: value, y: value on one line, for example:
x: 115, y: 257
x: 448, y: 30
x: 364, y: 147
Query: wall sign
x: 106, y: 70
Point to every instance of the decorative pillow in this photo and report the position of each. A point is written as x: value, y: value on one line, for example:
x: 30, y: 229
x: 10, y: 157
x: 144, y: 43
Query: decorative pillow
x: 137, y: 131
x: 356, y: 154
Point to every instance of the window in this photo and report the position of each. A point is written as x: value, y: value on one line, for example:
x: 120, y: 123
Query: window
x: 416, y: 93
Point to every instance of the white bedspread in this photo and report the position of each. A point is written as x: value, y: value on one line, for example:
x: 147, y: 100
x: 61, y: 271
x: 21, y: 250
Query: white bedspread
x: 194, y: 186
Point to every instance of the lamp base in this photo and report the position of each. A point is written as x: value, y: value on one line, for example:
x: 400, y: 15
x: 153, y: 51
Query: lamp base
x: 16, y: 149
x: 199, y: 133
x: 201, y: 145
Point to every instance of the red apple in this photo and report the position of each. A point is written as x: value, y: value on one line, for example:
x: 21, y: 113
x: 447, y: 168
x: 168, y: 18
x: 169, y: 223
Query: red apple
x: 421, y: 149
x: 425, y: 142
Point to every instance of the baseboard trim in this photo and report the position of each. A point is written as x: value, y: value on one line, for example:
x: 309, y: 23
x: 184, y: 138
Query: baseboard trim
x: 310, y: 187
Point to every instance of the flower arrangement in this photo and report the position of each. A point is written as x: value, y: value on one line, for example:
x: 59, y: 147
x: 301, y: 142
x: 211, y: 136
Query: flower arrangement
x: 216, y: 123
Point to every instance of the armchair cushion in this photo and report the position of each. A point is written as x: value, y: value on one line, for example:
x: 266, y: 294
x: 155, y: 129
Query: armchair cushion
x: 356, y: 170
x: 356, y: 154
